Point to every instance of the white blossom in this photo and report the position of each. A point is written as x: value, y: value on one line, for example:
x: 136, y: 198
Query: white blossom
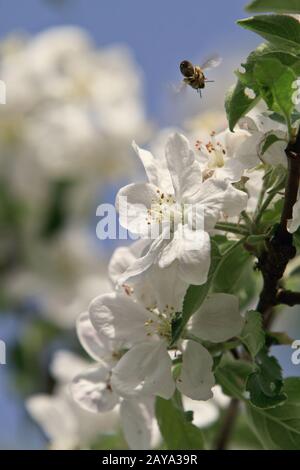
x: 174, y: 183
x: 67, y: 425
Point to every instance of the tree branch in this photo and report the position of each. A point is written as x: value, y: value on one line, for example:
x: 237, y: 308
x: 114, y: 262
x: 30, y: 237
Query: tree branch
x: 288, y: 297
x: 280, y: 249
x: 227, y: 425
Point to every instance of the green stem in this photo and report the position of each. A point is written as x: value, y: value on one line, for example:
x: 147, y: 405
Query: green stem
x: 264, y: 207
x: 232, y: 228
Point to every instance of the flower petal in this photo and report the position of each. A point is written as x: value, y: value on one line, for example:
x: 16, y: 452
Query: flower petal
x: 169, y: 288
x: 155, y: 167
x: 92, y: 390
x: 123, y: 257
x: 133, y: 202
x: 234, y: 201
x: 196, y: 378
x: 145, y: 369
x: 136, y: 420
x: 56, y: 418
x: 95, y: 345
x: 194, y: 256
x: 218, y: 318
x: 119, y: 318
x: 141, y: 265
x: 185, y: 171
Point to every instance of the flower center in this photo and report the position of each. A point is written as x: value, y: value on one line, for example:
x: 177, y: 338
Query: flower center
x: 164, y: 210
x: 161, y: 325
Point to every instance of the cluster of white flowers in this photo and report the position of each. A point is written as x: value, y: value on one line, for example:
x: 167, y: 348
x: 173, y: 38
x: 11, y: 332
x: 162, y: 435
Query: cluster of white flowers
x: 71, y: 112
x: 128, y: 331
x: 82, y: 107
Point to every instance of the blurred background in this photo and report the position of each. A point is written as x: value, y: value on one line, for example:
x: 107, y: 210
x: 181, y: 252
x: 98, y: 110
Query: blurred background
x: 83, y: 79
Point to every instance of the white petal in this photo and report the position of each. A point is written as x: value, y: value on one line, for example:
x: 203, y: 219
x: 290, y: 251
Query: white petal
x: 97, y: 347
x: 141, y: 265
x: 184, y: 169
x: 118, y: 317
x: 234, y: 201
x: 194, y: 256
x: 169, y: 288
x: 155, y: 167
x: 196, y: 378
x: 56, y: 418
x: 136, y: 421
x: 204, y: 412
x: 275, y: 154
x: 132, y: 202
x: 210, y: 197
x: 218, y: 318
x: 146, y: 369
x: 65, y: 365
x: 123, y: 257
x: 92, y: 391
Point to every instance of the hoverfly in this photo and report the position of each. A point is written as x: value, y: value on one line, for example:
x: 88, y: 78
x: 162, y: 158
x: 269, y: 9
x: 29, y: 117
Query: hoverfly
x: 194, y: 74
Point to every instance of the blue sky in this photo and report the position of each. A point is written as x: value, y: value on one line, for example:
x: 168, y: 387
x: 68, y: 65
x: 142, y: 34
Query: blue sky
x: 161, y: 33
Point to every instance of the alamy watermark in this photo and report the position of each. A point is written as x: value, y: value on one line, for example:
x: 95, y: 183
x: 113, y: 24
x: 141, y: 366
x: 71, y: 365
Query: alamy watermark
x: 2, y: 353
x: 295, y: 358
x: 173, y: 221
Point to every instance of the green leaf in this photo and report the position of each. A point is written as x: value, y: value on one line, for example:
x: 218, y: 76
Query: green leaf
x: 177, y: 432
x: 265, y: 51
x: 231, y: 375
x: 236, y: 276
x: 279, y: 428
x: 276, y: 85
x: 265, y: 384
x: 276, y: 6
x: 237, y: 103
x: 280, y: 30
x: 253, y: 335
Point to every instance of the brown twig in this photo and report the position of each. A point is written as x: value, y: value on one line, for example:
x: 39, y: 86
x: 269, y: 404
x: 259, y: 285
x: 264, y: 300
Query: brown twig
x: 227, y: 425
x: 279, y: 249
x: 288, y: 297
x: 272, y: 263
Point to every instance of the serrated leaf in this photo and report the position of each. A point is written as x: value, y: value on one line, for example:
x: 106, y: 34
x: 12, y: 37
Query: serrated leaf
x: 237, y: 103
x: 265, y: 384
x: 280, y: 30
x: 236, y: 276
x: 253, y: 335
x: 276, y: 6
x: 276, y: 85
x: 279, y: 428
x: 231, y: 375
x: 260, y: 399
x: 266, y: 51
x: 177, y: 432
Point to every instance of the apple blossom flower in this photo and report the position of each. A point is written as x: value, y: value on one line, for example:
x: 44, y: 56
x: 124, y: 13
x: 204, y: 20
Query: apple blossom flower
x: 223, y: 156
x: 67, y: 425
x: 92, y: 389
x: 145, y: 368
x: 165, y: 206
x: 267, y: 140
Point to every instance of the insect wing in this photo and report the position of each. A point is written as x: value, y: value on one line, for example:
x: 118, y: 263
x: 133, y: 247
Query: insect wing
x: 211, y: 62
